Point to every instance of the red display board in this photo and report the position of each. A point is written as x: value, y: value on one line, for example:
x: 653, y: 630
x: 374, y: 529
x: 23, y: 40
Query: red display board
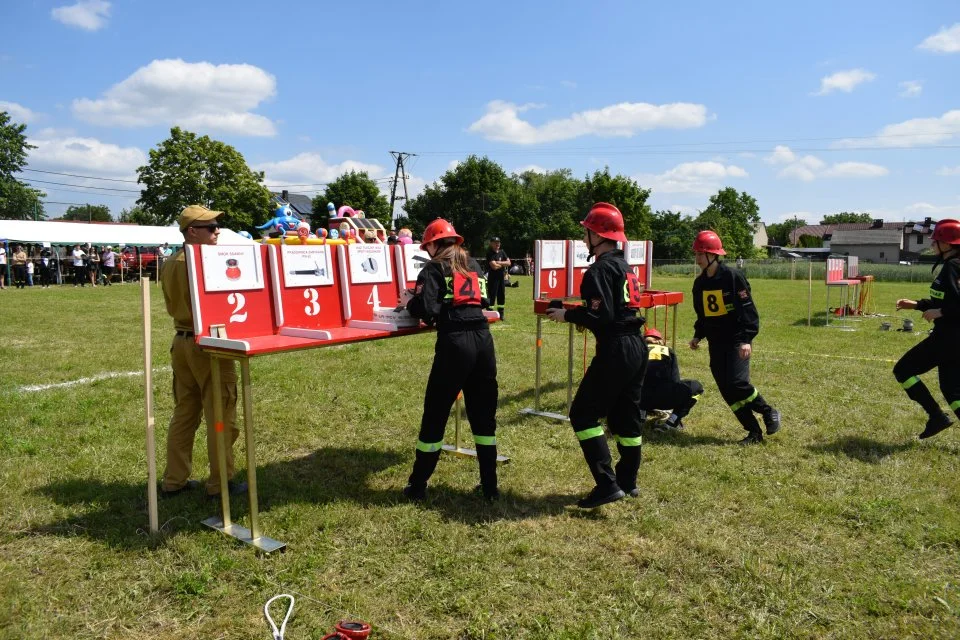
x: 307, y: 299
x: 639, y: 255
x: 550, y: 269
x: 409, y: 260
x: 579, y: 259
x: 368, y: 282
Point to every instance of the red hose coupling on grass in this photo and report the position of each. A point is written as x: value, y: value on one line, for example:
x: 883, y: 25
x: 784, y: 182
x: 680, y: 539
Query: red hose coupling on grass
x: 353, y: 629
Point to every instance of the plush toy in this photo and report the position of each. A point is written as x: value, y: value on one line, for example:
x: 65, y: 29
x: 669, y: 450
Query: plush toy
x: 331, y: 210
x: 334, y: 234
x: 303, y: 232
x: 405, y: 236
x: 283, y: 221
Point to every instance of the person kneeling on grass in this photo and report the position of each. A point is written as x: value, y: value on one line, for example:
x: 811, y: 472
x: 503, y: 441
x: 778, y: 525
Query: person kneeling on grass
x: 728, y: 319
x: 662, y: 387
x: 941, y: 349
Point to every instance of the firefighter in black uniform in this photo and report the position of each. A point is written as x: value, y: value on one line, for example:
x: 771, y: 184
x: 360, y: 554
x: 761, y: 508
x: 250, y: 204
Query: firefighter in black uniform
x: 497, y: 265
x: 450, y: 293
x: 612, y: 384
x: 728, y: 319
x: 941, y: 349
x: 662, y: 386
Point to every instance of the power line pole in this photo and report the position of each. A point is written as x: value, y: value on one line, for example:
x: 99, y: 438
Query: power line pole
x: 399, y: 173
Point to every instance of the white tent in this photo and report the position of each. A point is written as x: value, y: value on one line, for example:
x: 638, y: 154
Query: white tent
x: 118, y: 235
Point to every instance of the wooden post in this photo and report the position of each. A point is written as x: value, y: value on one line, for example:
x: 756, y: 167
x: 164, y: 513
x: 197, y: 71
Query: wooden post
x: 148, y: 394
x: 810, y: 292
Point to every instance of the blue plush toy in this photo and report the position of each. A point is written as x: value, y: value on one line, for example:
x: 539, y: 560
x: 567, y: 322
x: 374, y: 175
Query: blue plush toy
x: 331, y: 210
x: 334, y: 234
x: 245, y: 234
x: 284, y: 222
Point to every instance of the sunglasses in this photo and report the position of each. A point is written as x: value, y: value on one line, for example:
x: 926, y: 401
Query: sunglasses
x: 208, y: 227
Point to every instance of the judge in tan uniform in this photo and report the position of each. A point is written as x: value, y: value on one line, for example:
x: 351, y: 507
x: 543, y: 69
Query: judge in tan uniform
x: 192, y: 382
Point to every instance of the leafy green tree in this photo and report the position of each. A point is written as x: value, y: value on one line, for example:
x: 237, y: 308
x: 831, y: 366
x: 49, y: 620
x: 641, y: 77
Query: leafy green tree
x: 88, y: 213
x: 357, y: 190
x: 467, y: 195
x: 557, y: 195
x: 622, y: 192
x: 188, y: 169
x: 17, y: 200
x: 672, y: 234
x: 809, y: 242
x: 846, y: 216
x: 778, y: 233
x: 733, y: 216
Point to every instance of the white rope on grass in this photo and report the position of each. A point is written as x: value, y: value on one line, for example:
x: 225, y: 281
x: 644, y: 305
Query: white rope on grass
x: 278, y: 633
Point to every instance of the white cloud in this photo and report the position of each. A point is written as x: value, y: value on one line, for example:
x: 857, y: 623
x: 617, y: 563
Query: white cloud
x: 691, y: 177
x: 808, y: 168
x: 932, y: 210
x: 453, y: 164
x: 949, y: 171
x: 947, y: 40
x: 87, y: 14
x: 910, y: 89
x: 530, y: 167
x: 911, y: 133
x: 311, y: 169
x: 502, y: 123
x: 87, y: 155
x: 18, y: 112
x: 845, y: 81
x: 198, y: 96
x: 855, y: 170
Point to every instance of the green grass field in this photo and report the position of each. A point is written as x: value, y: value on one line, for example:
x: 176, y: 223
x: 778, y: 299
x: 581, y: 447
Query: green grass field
x: 843, y: 525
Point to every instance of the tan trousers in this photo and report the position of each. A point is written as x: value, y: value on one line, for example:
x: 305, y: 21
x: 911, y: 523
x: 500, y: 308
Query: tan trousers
x: 193, y: 398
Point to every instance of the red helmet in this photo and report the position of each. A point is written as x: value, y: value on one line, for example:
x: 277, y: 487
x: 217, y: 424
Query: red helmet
x: 437, y: 230
x: 947, y: 231
x: 606, y: 221
x: 652, y: 333
x: 708, y: 242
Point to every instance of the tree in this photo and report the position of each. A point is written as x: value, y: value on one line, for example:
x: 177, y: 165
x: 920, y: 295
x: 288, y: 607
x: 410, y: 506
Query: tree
x: 808, y: 241
x: 672, y: 234
x: 467, y: 195
x: 846, y: 216
x: 17, y: 200
x: 88, y: 213
x: 778, y: 233
x: 357, y: 190
x: 733, y: 216
x: 188, y: 169
x: 622, y: 192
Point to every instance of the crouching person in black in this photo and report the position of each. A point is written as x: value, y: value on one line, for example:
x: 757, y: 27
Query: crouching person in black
x: 662, y: 387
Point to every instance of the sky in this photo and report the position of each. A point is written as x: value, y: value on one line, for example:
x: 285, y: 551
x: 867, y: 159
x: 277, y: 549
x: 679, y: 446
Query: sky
x: 812, y: 108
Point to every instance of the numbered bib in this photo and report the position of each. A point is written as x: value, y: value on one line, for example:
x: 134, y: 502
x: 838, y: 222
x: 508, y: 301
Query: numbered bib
x: 467, y: 290
x: 632, y: 290
x: 713, y: 303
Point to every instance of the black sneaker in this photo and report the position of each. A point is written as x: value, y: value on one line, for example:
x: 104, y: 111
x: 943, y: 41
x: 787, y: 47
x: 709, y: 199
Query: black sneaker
x: 935, y: 425
x: 632, y: 493
x: 415, y: 493
x: 599, y: 497
x: 489, y: 495
x: 772, y: 421
x: 233, y: 488
x: 752, y: 438
x: 190, y: 486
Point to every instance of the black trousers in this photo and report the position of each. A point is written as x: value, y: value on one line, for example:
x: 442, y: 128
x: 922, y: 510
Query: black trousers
x: 20, y: 276
x: 678, y: 397
x: 940, y: 351
x: 463, y: 361
x: 612, y: 389
x: 732, y: 375
x: 80, y: 276
x: 496, y: 289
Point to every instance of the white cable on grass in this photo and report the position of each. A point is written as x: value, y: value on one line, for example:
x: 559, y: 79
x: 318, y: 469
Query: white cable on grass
x: 278, y: 633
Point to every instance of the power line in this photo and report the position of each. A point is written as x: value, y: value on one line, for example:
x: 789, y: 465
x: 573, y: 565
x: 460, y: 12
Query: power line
x: 83, y: 186
x: 86, y: 193
x: 75, y: 175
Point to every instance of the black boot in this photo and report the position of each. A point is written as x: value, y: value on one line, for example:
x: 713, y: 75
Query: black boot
x: 597, y: 454
x: 423, y: 467
x: 749, y: 422
x: 919, y: 393
x: 935, y: 424
x: 627, y: 469
x: 771, y: 420
x: 487, y: 460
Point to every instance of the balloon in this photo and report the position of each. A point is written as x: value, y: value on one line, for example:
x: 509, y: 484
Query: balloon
x: 334, y: 234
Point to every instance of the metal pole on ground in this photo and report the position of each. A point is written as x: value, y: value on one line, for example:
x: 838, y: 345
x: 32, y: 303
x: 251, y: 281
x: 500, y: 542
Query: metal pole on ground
x: 148, y: 394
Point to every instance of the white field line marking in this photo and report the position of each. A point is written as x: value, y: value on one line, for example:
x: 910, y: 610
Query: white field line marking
x: 96, y: 378
x: 826, y: 355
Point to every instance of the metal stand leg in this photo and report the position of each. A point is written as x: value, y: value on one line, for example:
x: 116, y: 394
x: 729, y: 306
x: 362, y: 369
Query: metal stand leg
x: 252, y: 535
x: 674, y: 327
x: 535, y: 411
x: 569, y: 368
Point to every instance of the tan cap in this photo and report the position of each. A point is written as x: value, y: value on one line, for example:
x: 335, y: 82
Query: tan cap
x: 197, y: 213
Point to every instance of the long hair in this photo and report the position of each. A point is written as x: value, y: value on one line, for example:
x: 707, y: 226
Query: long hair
x: 453, y: 255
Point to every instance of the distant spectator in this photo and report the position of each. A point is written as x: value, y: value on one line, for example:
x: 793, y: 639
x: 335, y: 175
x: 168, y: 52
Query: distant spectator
x: 108, y: 262
x: 45, y: 268
x: 30, y: 269
x: 93, y: 264
x: 3, y: 267
x: 19, y: 267
x: 79, y: 266
x: 740, y: 262
x: 392, y: 238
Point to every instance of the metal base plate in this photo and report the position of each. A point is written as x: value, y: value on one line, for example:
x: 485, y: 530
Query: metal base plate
x: 469, y: 453
x: 545, y: 414
x: 263, y: 543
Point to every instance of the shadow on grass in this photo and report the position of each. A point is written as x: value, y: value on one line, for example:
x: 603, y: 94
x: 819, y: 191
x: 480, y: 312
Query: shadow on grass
x: 819, y: 319
x: 862, y: 449
x: 115, y: 513
x: 684, y: 438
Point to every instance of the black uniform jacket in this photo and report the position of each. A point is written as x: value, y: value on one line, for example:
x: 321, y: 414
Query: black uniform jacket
x: 724, y: 306
x: 945, y: 295
x: 495, y: 256
x: 661, y: 366
x: 611, y: 296
x: 448, y: 299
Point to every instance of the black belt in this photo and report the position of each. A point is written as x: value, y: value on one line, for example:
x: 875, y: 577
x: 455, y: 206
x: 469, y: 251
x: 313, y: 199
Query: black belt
x: 185, y: 334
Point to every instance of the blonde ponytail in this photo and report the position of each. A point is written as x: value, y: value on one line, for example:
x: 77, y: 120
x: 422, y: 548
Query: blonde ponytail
x: 454, y: 255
